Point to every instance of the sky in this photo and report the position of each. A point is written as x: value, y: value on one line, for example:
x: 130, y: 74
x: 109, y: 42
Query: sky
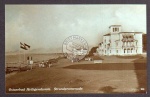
x: 47, y: 26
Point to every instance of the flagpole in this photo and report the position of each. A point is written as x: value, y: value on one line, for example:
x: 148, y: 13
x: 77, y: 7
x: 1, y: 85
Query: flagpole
x: 24, y: 57
x: 19, y: 57
x: 28, y: 46
x: 19, y: 52
x: 31, y: 60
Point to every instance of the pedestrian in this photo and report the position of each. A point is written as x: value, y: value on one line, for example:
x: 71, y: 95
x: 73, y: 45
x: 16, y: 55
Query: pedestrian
x: 50, y: 64
x: 31, y: 63
x: 43, y: 63
x: 28, y: 61
x: 40, y: 65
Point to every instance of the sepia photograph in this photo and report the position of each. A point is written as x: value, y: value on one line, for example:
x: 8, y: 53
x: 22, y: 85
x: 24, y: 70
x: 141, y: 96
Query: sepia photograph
x: 76, y: 49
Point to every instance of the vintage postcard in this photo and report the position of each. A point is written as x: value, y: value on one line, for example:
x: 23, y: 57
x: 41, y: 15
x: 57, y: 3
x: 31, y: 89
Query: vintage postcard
x: 76, y: 49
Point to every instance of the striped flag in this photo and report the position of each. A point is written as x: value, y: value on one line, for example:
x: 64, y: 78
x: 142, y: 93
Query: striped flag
x: 26, y: 45
x: 23, y: 46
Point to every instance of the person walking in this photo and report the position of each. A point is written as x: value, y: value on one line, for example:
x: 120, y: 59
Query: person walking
x: 50, y: 64
x: 31, y: 63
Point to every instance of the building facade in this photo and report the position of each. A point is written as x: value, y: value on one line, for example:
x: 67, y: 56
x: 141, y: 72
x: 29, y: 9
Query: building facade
x: 120, y: 43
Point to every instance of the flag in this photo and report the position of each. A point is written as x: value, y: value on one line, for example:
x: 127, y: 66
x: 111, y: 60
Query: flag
x: 23, y: 46
x: 26, y: 45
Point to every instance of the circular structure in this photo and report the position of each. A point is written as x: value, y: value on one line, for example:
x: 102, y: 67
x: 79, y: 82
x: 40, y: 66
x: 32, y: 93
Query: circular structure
x: 75, y: 48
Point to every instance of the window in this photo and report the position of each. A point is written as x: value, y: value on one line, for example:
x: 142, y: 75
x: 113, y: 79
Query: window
x: 110, y: 41
x: 110, y: 51
x: 115, y: 29
x: 105, y: 51
x: 116, y: 43
x: 127, y: 50
x: 117, y: 51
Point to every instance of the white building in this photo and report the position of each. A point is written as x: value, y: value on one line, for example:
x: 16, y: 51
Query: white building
x: 120, y: 43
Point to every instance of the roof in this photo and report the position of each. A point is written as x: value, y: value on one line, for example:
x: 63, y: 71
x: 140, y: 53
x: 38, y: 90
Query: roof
x: 132, y: 32
x: 107, y: 34
x: 114, y: 26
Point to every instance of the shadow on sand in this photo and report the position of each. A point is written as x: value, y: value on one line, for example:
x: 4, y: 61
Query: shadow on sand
x: 107, y: 89
x: 108, y: 66
x: 141, y: 74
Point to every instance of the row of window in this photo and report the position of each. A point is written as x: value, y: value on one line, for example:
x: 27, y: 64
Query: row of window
x: 129, y: 44
x: 115, y: 29
x: 109, y: 41
x: 125, y: 51
x: 128, y: 51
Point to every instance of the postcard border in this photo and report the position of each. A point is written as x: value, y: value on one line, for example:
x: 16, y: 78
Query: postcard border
x: 2, y: 42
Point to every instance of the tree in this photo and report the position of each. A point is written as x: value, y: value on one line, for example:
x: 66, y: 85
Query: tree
x: 93, y: 50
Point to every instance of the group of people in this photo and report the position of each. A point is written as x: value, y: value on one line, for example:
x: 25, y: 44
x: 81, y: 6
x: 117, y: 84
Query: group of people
x: 75, y: 60
x: 45, y: 64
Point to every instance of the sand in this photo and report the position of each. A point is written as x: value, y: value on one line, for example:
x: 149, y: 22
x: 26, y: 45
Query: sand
x: 92, y: 78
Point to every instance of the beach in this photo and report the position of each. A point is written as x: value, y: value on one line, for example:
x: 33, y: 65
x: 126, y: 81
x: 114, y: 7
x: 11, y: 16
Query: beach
x: 107, y: 77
